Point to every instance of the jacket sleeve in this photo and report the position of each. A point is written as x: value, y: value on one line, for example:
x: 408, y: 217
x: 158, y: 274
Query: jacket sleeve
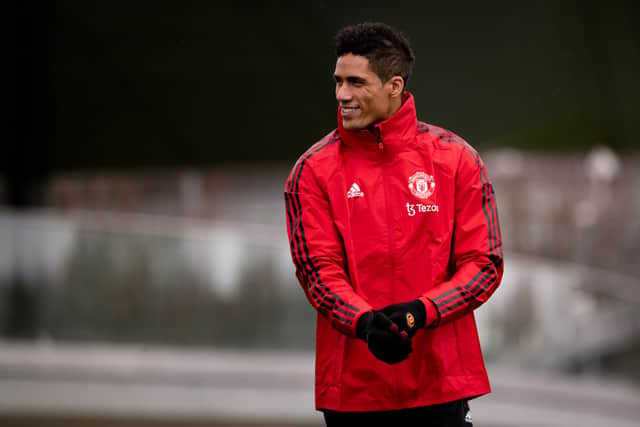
x: 318, y: 251
x: 476, y: 259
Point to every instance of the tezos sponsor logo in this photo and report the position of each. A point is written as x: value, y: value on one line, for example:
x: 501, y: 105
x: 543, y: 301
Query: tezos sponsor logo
x: 422, y: 185
x: 413, y: 208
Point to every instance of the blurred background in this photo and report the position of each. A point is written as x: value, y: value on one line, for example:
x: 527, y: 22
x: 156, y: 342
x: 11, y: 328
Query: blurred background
x: 145, y: 278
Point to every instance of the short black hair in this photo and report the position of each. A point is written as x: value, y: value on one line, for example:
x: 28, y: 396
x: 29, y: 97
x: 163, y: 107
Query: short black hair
x: 386, y: 48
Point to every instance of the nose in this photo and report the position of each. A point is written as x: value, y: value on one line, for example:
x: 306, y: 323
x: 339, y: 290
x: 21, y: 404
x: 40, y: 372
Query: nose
x: 343, y: 93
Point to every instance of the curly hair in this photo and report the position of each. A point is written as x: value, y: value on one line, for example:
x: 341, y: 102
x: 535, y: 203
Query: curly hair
x: 386, y: 48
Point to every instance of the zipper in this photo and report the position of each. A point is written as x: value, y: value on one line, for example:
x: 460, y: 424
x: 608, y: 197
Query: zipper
x: 385, y: 184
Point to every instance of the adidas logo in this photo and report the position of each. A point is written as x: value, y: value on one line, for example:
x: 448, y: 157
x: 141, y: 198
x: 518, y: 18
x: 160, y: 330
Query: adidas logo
x: 354, y: 191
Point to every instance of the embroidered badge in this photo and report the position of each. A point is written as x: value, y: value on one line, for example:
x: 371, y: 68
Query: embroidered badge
x: 421, y: 185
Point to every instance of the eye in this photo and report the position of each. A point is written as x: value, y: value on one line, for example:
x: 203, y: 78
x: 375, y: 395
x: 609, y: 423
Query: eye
x: 356, y: 81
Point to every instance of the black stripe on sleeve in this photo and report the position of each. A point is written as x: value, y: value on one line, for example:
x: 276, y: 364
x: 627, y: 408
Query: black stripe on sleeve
x: 317, y: 288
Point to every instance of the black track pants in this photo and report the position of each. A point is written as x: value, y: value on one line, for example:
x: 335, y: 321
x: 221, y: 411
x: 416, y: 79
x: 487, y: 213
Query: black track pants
x: 452, y: 414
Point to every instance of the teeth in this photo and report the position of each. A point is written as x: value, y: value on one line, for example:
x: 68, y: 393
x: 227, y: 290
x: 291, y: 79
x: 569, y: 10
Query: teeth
x: 348, y: 109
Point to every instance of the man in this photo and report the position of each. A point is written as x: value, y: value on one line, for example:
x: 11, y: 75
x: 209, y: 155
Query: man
x: 394, y: 233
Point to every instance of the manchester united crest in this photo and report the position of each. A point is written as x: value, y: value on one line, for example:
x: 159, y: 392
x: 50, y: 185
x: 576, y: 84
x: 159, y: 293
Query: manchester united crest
x: 422, y: 185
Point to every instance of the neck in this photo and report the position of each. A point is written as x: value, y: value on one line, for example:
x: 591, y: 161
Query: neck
x: 394, y: 106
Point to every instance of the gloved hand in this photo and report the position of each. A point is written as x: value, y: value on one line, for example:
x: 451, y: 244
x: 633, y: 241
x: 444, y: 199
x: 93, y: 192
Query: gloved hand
x: 409, y: 316
x: 385, y: 341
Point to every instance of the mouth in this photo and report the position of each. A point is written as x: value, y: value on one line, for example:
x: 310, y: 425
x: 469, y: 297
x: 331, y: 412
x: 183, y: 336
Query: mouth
x: 348, y: 111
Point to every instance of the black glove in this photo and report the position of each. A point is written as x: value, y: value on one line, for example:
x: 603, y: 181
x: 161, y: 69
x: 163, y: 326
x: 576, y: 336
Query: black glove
x: 409, y: 316
x: 383, y: 337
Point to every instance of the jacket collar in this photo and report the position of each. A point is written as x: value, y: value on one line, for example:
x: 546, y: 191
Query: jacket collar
x: 394, y: 133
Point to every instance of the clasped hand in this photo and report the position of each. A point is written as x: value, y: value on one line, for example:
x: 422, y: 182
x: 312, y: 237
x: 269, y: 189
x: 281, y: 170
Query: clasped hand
x: 388, y: 332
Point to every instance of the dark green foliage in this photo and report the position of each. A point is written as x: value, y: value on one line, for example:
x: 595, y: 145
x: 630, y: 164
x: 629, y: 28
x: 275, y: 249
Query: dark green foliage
x: 173, y: 84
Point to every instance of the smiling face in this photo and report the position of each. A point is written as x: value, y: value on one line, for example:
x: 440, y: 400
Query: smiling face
x: 364, y: 99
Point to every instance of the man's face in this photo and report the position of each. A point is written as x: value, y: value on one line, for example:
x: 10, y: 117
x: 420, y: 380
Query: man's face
x: 363, y: 98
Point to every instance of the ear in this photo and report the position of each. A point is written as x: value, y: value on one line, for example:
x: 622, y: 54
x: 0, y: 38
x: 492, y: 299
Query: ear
x: 396, y: 85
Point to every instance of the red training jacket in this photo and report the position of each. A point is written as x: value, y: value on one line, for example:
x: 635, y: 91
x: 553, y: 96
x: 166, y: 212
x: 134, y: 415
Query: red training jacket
x: 386, y: 216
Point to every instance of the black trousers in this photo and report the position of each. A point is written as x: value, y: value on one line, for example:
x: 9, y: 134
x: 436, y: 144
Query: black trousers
x: 452, y: 414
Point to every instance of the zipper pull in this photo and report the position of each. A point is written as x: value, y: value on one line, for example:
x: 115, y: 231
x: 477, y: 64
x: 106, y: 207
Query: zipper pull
x: 380, y: 144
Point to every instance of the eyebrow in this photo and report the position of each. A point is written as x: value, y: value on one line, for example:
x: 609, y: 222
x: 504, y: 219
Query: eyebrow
x: 350, y: 79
